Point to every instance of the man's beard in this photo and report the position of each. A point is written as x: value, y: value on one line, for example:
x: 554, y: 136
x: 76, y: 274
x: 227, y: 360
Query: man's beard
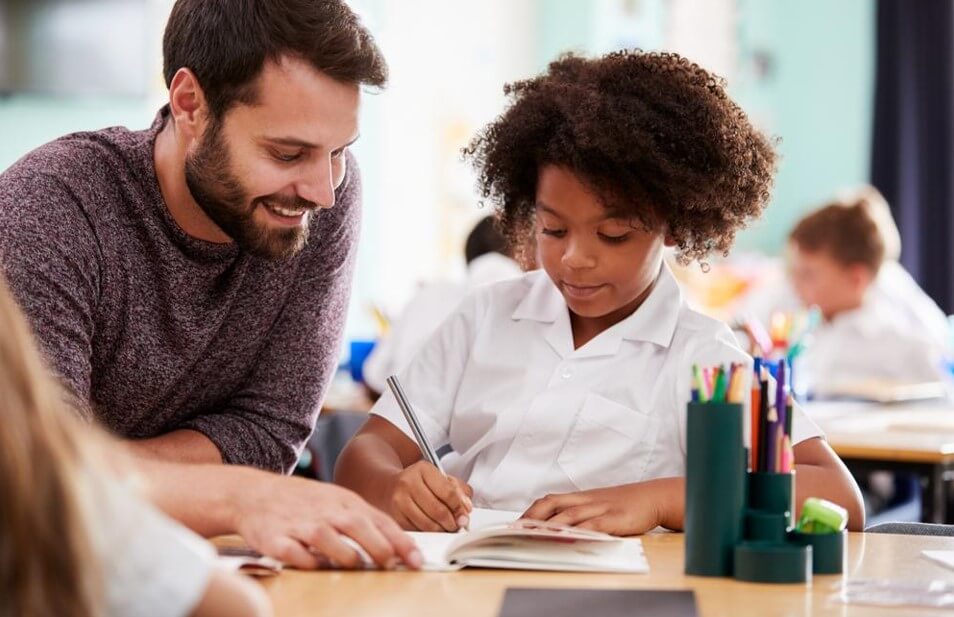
x: 224, y: 200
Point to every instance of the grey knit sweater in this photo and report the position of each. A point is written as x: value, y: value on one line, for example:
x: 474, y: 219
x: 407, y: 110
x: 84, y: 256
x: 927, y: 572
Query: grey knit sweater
x: 154, y: 330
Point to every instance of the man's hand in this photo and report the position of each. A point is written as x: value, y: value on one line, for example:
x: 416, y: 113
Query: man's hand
x: 424, y: 499
x: 304, y: 524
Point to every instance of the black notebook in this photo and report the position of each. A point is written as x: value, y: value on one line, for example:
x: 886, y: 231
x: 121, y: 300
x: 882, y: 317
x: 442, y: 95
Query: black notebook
x: 519, y: 602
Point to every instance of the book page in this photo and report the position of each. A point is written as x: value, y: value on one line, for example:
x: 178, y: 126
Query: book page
x: 434, y: 548
x: 483, y: 517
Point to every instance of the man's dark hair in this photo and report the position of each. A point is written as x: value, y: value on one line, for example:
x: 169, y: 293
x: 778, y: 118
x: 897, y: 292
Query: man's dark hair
x: 227, y: 42
x: 485, y: 238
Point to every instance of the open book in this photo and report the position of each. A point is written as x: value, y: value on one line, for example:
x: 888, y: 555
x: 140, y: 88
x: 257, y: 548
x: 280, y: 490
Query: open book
x: 498, y: 540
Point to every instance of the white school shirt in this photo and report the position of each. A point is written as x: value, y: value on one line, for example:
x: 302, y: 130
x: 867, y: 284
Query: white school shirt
x: 425, y: 311
x: 893, y: 289
x: 868, y: 343
x: 528, y: 415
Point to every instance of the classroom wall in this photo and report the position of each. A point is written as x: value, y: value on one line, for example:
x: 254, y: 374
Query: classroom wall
x: 817, y: 96
x: 802, y: 70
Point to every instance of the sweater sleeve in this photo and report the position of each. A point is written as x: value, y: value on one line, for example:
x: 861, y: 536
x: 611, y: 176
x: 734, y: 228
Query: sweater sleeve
x: 51, y: 262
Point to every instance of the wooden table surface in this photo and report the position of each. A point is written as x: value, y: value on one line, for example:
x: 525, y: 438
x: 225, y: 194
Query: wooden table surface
x: 478, y: 593
x: 915, y: 433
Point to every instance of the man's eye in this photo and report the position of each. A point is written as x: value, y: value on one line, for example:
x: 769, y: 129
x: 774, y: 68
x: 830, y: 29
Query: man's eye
x: 287, y: 158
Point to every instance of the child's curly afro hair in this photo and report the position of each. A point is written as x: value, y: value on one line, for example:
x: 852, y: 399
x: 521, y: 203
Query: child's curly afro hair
x: 654, y: 135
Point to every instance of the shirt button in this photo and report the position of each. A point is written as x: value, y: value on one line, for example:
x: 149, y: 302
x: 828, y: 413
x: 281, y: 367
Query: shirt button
x: 567, y: 373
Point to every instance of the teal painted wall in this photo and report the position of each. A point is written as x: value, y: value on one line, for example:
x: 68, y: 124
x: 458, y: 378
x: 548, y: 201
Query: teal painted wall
x: 817, y: 97
x: 28, y: 121
x: 816, y: 94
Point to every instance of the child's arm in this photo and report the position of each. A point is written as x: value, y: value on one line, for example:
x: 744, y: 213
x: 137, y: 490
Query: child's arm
x: 632, y: 509
x: 820, y: 473
x: 385, y: 466
x: 232, y: 594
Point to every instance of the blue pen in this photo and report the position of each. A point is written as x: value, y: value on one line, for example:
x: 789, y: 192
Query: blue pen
x: 781, y: 391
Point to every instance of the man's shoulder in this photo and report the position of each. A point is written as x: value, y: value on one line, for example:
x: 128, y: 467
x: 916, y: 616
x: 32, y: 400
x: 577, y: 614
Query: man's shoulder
x: 78, y: 157
x: 71, y: 180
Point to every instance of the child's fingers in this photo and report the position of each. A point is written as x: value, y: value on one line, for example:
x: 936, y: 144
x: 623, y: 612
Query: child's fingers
x: 578, y: 514
x: 418, y: 518
x: 546, y: 507
x: 444, y: 488
x: 435, y: 508
x: 602, y: 524
x: 467, y: 505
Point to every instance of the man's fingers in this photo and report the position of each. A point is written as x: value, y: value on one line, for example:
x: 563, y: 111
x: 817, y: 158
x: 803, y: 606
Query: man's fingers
x: 362, y: 530
x: 326, y: 541
x: 290, y: 552
x: 402, y: 544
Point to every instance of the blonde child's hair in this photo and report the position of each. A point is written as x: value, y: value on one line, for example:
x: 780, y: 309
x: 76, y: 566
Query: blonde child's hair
x: 46, y: 559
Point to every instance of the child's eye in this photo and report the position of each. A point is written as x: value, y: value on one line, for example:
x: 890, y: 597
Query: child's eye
x: 556, y: 233
x: 613, y: 239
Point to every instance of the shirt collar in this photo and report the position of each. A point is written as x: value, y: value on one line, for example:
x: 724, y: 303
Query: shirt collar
x: 653, y: 322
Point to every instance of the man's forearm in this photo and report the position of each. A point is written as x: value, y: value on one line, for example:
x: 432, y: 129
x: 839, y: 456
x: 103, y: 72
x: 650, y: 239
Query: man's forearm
x: 181, y: 446
x: 201, y: 497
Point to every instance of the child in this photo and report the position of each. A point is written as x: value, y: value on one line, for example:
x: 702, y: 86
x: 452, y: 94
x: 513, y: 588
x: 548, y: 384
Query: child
x: 563, y: 392
x: 836, y: 255
x: 75, y: 542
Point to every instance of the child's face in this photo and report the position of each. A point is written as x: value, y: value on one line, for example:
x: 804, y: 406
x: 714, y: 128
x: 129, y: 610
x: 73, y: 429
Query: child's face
x: 602, y: 265
x: 821, y: 281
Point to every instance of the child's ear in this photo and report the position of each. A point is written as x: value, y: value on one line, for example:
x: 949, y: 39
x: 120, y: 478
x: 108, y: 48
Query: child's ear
x: 669, y: 240
x: 861, y: 276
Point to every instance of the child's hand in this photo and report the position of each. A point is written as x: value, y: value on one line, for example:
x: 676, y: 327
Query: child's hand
x: 624, y: 510
x: 424, y: 499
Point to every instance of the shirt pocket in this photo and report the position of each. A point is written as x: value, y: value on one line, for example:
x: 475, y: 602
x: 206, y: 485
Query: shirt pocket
x: 609, y: 444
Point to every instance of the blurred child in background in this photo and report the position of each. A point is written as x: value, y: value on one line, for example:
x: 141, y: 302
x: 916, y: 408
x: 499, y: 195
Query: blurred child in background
x: 876, y: 323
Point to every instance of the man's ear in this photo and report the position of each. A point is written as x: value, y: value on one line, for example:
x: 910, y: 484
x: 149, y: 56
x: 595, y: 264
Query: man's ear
x: 188, y: 105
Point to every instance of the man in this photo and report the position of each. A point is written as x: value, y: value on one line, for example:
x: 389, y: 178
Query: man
x: 188, y: 283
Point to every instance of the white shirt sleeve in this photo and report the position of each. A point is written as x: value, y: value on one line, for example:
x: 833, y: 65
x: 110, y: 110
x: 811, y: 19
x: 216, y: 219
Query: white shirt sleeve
x: 723, y: 350
x: 431, y: 379
x: 151, y: 565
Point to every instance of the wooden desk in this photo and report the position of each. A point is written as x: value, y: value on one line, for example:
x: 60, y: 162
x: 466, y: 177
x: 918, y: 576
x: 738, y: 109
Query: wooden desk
x: 916, y: 438
x: 478, y: 593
